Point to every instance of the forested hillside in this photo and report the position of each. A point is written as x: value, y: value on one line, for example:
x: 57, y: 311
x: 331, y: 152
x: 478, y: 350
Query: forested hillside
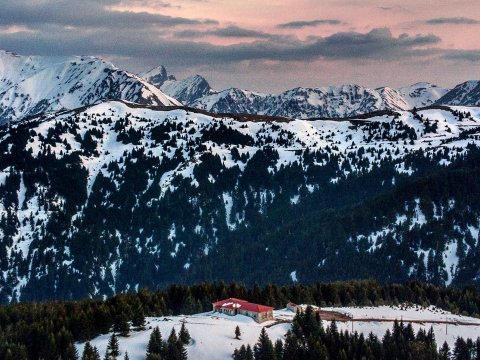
x: 116, y: 197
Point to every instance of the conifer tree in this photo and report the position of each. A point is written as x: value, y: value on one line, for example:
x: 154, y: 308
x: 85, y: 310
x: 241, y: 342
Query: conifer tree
x: 291, y: 349
x: 126, y: 356
x: 278, y: 349
x: 250, y: 355
x: 138, y: 315
x: 112, y: 348
x: 263, y: 349
x: 90, y: 352
x: 237, y: 333
x: 175, y: 348
x: 444, y: 353
x: 184, y: 335
x: 156, y: 346
x: 239, y: 354
x: 121, y: 324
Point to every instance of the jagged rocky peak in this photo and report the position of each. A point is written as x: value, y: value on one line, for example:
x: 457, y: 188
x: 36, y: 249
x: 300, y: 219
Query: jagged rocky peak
x: 157, y: 76
x: 187, y: 90
x: 30, y: 85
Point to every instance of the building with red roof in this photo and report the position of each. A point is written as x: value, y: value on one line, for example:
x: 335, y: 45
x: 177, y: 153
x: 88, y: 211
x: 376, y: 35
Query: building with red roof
x: 233, y: 306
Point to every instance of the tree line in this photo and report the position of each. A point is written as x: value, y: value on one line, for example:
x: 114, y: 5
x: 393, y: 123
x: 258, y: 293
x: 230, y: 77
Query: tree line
x: 48, y: 330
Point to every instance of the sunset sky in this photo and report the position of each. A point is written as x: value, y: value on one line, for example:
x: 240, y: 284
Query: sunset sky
x: 259, y: 45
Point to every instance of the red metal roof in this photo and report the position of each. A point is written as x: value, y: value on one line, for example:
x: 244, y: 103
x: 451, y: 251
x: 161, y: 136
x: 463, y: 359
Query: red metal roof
x: 233, y: 303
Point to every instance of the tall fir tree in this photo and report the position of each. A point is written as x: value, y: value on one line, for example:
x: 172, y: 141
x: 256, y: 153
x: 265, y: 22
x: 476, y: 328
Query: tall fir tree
x: 90, y: 352
x: 156, y: 346
x: 263, y: 349
x: 238, y: 333
x: 184, y: 335
x: 113, y: 351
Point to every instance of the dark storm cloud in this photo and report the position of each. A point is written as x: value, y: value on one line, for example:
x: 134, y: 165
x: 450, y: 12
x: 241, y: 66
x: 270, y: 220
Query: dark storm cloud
x: 226, y: 32
x: 302, y: 24
x: 378, y: 44
x: 84, y: 14
x: 453, y: 20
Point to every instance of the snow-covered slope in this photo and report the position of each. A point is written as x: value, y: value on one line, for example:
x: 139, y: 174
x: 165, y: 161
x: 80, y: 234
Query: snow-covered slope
x: 467, y: 93
x: 422, y: 94
x: 415, y: 96
x: 129, y: 164
x: 213, y: 334
x: 187, y: 90
x: 32, y: 84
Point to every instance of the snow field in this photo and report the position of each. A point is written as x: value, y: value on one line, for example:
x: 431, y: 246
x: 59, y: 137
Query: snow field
x: 213, y: 333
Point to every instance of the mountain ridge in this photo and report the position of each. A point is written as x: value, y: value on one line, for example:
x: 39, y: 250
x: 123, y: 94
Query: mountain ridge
x: 303, y: 102
x: 30, y: 85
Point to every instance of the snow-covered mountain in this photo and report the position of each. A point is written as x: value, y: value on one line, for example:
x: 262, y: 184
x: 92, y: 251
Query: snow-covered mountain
x: 324, y: 102
x: 301, y: 102
x: 118, y: 196
x: 327, y: 102
x: 331, y: 102
x: 232, y: 100
x: 422, y: 94
x: 415, y: 96
x: 157, y: 76
x: 467, y: 93
x: 188, y: 90
x: 32, y: 84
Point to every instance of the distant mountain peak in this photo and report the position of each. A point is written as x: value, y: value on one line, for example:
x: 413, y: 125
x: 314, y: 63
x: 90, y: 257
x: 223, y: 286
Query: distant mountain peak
x: 31, y: 85
x: 187, y: 90
x: 157, y: 76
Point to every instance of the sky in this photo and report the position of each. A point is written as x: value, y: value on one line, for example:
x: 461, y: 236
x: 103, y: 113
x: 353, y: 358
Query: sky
x: 260, y: 45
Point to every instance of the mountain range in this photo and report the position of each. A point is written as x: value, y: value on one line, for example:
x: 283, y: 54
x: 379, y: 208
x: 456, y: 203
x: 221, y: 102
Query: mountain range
x: 323, y: 102
x: 30, y: 85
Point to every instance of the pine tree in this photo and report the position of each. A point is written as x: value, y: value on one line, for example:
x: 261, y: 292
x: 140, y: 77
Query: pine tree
x: 156, y: 346
x: 138, y: 315
x: 278, y: 349
x: 237, y: 333
x: 121, y: 324
x: 263, y: 349
x: 250, y: 355
x: 90, y: 352
x: 87, y: 352
x: 240, y: 354
x: 291, y: 349
x: 184, y: 335
x: 175, y: 348
x: 71, y: 352
x: 126, y: 356
x: 112, y: 348
x: 444, y: 353
x: 460, y: 351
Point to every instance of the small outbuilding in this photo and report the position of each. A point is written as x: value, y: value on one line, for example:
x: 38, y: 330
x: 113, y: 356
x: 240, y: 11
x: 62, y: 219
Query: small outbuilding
x: 233, y: 306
